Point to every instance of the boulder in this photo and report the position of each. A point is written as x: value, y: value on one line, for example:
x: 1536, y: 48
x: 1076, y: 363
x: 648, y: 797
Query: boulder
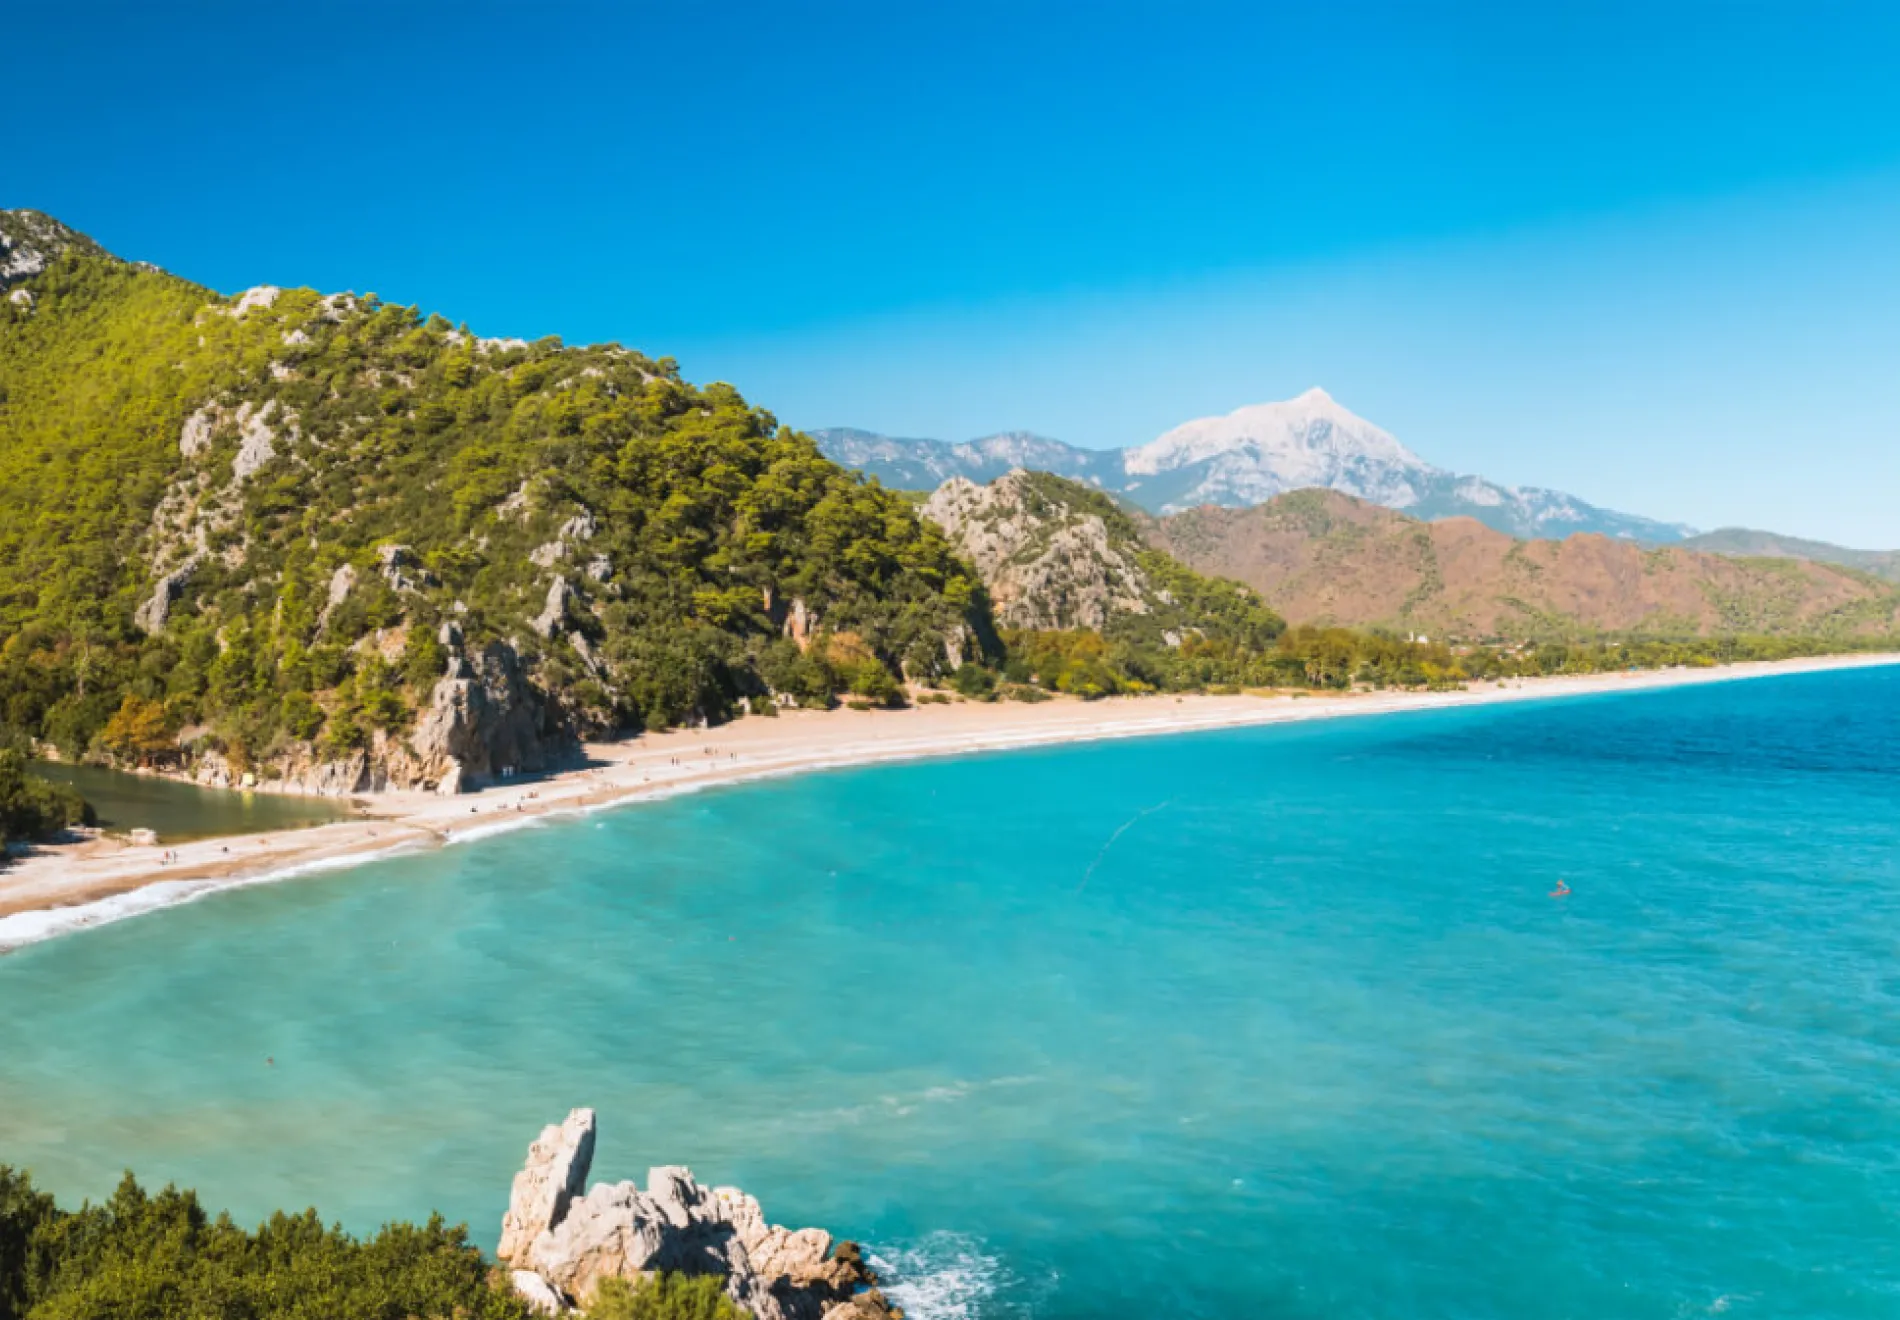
x: 538, y: 1293
x: 402, y: 570
x: 571, y: 1243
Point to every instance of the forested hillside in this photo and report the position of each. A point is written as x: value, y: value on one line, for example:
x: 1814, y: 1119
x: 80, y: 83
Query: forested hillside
x: 335, y: 540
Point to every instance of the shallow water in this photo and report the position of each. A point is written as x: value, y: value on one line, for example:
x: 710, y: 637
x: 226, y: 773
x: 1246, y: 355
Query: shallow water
x: 1272, y: 1022
x: 179, y: 812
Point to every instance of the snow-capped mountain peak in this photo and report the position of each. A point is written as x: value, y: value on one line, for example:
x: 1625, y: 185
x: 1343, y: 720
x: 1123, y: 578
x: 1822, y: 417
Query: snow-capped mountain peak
x: 1309, y: 434
x: 1247, y: 457
x: 1256, y: 452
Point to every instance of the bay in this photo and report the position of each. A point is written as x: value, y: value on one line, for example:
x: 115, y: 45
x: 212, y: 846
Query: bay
x: 1279, y: 1021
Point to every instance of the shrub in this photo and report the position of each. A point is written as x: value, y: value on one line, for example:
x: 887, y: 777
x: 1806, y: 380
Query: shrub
x: 32, y: 807
x: 144, y: 1256
x: 665, y: 1297
x: 973, y: 681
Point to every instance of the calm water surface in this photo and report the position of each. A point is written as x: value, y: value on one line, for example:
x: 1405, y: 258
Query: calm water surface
x: 1274, y: 1022
x: 181, y: 812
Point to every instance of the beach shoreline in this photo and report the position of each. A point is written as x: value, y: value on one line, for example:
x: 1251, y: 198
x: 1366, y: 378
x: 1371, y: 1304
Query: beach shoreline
x: 68, y: 887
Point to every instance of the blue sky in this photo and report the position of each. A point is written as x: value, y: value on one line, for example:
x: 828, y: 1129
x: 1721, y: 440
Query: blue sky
x: 1646, y: 253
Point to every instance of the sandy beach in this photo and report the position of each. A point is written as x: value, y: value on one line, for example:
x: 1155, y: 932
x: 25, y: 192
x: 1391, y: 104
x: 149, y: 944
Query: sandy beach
x: 70, y: 887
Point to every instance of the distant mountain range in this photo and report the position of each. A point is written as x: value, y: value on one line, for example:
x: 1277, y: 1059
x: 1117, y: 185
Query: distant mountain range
x: 1321, y: 557
x: 1058, y: 554
x: 1247, y: 457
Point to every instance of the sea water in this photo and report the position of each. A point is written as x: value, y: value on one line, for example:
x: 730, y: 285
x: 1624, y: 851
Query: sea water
x: 1271, y: 1022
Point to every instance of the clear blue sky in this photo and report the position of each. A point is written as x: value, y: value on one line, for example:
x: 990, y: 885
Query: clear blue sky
x: 1647, y: 253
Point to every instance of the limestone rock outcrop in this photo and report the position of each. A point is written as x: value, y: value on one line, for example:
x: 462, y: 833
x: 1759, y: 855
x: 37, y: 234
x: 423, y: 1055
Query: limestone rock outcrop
x: 155, y: 613
x: 556, y: 1173
x: 561, y: 1245
x: 485, y: 719
x: 554, y: 612
x: 1047, y: 562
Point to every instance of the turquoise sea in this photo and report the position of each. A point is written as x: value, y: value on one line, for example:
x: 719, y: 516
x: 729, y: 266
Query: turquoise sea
x: 1276, y: 1022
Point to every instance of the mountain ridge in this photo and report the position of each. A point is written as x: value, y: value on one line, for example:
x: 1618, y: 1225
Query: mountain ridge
x: 1322, y: 557
x: 1747, y: 542
x: 1243, y: 458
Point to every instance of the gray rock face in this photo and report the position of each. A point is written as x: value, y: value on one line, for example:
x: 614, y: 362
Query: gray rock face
x: 195, y: 436
x: 156, y: 611
x: 483, y: 718
x: 556, y: 1173
x: 1046, y: 565
x: 257, y: 439
x: 562, y: 1245
x: 537, y: 1292
x: 31, y: 241
x: 554, y: 612
x: 262, y: 434
x: 402, y: 570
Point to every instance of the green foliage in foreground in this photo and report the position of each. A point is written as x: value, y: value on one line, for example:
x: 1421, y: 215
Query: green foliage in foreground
x: 32, y: 808
x: 145, y: 1256
x: 665, y: 1297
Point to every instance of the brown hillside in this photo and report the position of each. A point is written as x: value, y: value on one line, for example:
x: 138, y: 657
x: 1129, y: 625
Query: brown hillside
x: 1322, y: 557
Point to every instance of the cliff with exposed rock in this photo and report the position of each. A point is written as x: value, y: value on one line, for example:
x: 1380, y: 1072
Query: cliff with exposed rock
x: 1056, y: 555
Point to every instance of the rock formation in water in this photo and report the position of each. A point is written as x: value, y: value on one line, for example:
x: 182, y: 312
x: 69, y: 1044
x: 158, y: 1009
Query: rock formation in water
x: 561, y: 1242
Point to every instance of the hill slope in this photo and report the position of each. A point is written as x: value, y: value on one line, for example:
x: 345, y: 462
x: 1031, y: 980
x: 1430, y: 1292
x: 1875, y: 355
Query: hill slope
x: 1055, y: 554
x: 1245, y: 457
x: 334, y: 541
x: 1090, y: 609
x: 1746, y: 542
x: 1322, y: 557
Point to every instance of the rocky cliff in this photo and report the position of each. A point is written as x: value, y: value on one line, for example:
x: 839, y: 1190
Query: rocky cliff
x: 561, y: 1239
x: 30, y: 242
x: 1055, y: 554
x: 1045, y: 551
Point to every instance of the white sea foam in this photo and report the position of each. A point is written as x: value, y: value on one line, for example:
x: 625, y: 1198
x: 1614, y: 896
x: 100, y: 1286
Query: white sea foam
x: 946, y: 1276
x: 23, y: 928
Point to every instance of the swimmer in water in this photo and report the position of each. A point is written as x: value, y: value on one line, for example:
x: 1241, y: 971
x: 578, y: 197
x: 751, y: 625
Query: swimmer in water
x: 1561, y: 891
